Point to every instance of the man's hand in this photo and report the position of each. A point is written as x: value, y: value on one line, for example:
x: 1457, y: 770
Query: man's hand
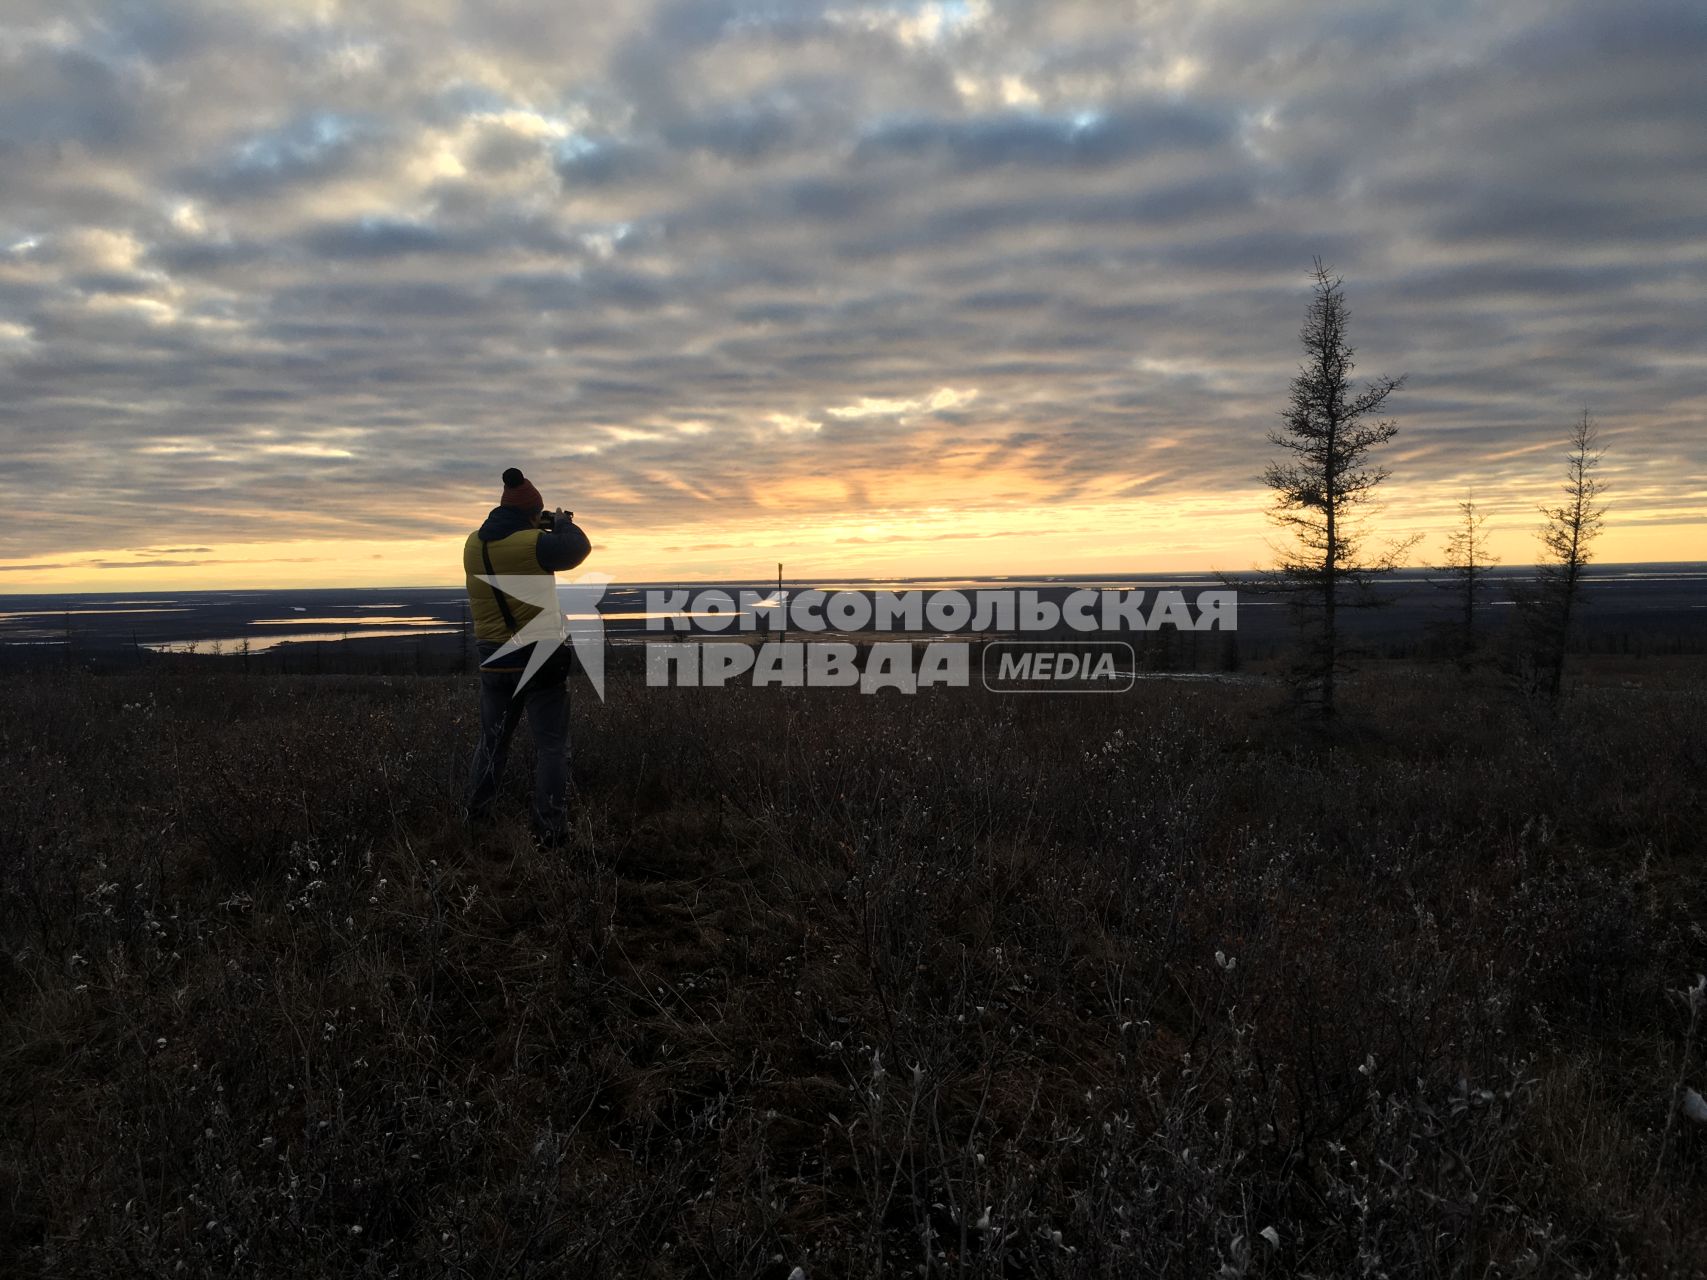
x: 565, y: 546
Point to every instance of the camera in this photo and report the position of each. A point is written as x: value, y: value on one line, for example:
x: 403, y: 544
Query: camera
x: 548, y: 519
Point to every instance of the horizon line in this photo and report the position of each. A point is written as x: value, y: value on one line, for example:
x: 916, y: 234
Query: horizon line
x: 1497, y: 569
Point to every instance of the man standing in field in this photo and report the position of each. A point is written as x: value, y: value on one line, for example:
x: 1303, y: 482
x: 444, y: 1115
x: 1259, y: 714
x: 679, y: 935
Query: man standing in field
x: 517, y: 540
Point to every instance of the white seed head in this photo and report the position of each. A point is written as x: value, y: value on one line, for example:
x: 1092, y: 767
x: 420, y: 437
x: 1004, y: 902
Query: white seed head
x: 1694, y: 1106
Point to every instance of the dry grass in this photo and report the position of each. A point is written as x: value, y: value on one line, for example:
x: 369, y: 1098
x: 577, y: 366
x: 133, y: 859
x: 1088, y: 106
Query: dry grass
x: 983, y: 986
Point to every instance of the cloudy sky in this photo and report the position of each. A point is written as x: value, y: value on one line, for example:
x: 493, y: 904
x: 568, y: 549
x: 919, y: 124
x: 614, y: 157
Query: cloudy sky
x: 964, y: 287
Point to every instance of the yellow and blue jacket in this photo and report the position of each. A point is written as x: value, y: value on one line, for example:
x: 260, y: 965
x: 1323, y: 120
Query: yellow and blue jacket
x: 513, y: 545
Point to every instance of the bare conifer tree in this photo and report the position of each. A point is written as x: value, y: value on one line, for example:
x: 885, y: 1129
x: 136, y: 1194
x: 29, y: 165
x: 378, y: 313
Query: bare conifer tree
x: 1466, y: 571
x: 1321, y: 484
x: 1566, y: 535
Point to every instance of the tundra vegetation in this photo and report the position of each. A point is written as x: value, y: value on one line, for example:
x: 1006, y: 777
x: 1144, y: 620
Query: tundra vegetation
x: 953, y: 985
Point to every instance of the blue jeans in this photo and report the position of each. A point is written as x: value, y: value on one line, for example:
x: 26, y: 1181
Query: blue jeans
x: 546, y: 705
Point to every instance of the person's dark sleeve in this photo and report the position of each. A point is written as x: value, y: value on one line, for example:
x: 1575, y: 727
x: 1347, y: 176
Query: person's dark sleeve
x: 562, y: 548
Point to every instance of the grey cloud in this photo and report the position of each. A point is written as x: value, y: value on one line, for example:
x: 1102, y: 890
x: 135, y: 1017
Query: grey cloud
x: 608, y: 163
x: 1000, y: 300
x: 310, y: 148
x: 114, y: 282
x: 828, y: 199
x: 744, y: 133
x: 619, y: 288
x: 1659, y: 34
x: 375, y: 238
x: 1088, y: 139
x: 501, y: 150
x: 68, y: 96
x: 1523, y: 216
x: 195, y: 257
x: 625, y: 240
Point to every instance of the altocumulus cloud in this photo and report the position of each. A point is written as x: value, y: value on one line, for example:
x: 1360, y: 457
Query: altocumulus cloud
x: 259, y: 263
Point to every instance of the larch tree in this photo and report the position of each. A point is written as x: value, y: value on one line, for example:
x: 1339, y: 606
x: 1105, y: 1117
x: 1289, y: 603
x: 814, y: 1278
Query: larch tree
x: 1566, y: 535
x: 1466, y: 568
x: 1322, y: 483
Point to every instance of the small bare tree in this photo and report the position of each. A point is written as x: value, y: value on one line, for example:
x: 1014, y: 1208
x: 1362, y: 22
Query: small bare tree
x: 1466, y: 571
x: 1566, y: 535
x: 1322, y: 482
